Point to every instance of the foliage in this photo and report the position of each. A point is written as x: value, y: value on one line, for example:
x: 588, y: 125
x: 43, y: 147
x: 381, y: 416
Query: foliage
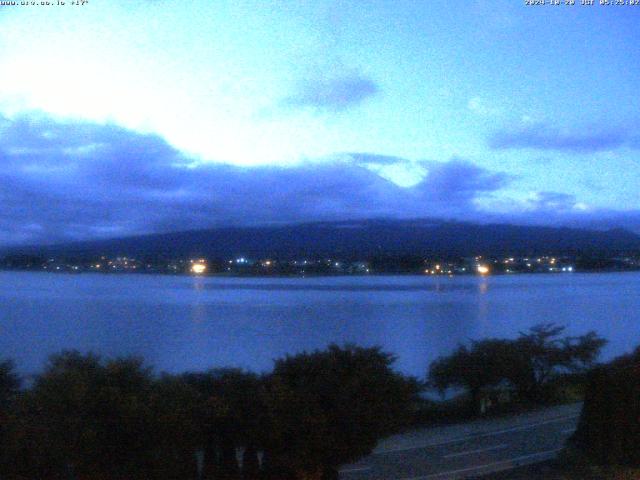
x: 609, y: 431
x: 232, y: 416
x: 529, y: 363
x: 474, y: 368
x: 176, y: 427
x: 9, y: 384
x: 84, y: 416
x: 9, y: 388
x: 543, y: 354
x: 331, y: 407
x: 89, y: 418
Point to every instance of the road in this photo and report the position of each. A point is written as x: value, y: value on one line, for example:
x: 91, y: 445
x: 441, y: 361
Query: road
x: 467, y: 450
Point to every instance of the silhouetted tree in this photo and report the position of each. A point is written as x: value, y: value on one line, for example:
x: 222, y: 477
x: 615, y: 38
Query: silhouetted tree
x: 177, y: 428
x: 232, y: 418
x: 483, y: 364
x: 9, y: 387
x: 87, y: 418
x: 331, y: 407
x: 529, y: 362
x: 609, y: 431
x: 542, y: 354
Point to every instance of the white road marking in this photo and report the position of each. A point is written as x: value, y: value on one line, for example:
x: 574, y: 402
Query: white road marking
x: 355, y: 469
x: 527, y: 427
x: 480, y: 435
x: 568, y: 430
x: 479, y: 450
x: 513, y: 462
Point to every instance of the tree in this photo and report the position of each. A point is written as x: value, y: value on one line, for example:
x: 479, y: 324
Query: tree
x: 9, y: 387
x: 177, y: 427
x: 485, y: 363
x: 232, y: 417
x: 529, y: 362
x: 331, y: 407
x: 608, y: 431
x: 87, y: 417
x: 542, y: 354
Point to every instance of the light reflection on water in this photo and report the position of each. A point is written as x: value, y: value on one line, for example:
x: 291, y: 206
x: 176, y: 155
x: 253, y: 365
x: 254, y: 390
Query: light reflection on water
x: 180, y: 323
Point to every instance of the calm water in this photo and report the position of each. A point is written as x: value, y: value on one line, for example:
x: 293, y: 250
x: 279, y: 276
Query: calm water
x: 180, y: 323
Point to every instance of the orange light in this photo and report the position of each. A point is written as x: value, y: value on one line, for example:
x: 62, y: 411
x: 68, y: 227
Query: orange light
x: 198, y: 268
x: 483, y: 269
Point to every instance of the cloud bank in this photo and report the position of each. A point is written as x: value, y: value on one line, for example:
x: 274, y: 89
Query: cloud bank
x: 333, y: 92
x: 547, y: 137
x: 74, y: 180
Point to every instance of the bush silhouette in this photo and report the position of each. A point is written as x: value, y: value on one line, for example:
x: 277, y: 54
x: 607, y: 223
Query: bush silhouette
x: 609, y: 427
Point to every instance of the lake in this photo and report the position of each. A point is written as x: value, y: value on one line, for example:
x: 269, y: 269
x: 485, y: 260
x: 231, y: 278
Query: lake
x: 182, y: 323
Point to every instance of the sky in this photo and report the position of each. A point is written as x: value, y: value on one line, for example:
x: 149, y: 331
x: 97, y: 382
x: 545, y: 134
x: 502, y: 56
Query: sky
x: 121, y: 118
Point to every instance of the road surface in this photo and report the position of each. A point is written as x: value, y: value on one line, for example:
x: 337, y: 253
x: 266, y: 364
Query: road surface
x: 467, y: 450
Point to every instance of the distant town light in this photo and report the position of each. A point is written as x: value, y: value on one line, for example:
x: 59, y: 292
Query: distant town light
x: 198, y: 268
x: 483, y: 269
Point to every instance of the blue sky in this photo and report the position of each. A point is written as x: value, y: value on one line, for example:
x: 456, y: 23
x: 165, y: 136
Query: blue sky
x: 113, y: 115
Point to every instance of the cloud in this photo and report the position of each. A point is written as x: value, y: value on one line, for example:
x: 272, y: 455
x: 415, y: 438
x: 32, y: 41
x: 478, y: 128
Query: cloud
x: 559, y: 209
x: 333, y: 92
x: 481, y: 107
x: 376, y: 159
x: 74, y: 180
x: 63, y: 181
x: 459, y: 182
x: 545, y: 137
x: 554, y: 201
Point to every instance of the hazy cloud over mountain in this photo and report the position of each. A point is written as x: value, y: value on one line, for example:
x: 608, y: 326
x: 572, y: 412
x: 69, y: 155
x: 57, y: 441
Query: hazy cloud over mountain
x: 76, y: 180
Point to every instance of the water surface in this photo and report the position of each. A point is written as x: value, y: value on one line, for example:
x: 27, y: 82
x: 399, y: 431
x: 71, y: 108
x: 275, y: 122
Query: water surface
x: 184, y: 323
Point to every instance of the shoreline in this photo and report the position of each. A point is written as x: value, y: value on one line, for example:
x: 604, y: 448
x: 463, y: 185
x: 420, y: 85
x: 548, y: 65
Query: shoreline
x: 311, y: 275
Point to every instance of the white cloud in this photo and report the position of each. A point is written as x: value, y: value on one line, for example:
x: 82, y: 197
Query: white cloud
x: 481, y: 107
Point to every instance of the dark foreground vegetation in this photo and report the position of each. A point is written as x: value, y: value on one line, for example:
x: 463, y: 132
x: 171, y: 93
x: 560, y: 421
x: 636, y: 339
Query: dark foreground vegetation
x: 606, y: 445
x: 85, y: 417
x: 609, y: 429
x: 540, y: 366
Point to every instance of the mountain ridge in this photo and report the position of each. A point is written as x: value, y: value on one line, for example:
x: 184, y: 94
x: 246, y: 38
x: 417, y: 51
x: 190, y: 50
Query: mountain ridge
x: 358, y: 239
